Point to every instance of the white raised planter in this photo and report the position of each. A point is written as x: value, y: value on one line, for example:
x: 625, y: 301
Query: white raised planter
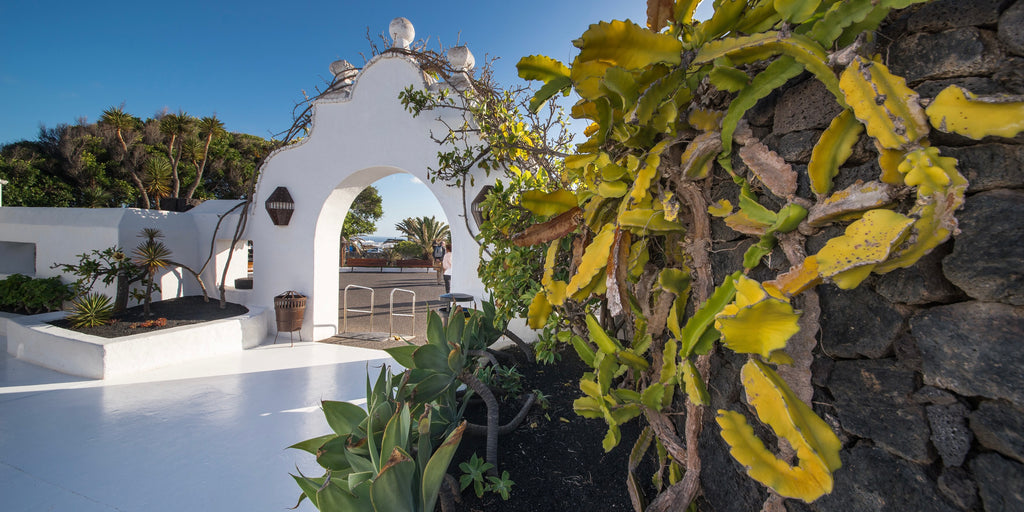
x: 4, y: 318
x: 31, y: 339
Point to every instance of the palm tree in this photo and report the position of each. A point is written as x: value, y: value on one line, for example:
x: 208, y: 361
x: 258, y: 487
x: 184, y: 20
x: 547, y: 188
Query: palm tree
x: 177, y: 126
x: 156, y: 178
x: 151, y: 255
x: 424, y: 231
x: 123, y: 124
x: 209, y: 127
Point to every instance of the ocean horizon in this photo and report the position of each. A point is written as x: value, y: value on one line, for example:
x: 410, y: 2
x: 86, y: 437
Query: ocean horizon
x: 381, y: 238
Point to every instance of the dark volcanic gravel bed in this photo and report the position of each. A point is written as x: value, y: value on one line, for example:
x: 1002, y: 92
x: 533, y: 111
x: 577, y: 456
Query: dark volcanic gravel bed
x: 180, y: 311
x: 555, y: 456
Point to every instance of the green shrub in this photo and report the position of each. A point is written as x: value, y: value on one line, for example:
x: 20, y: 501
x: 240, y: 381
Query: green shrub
x: 107, y: 266
x: 22, y: 294
x: 409, y: 250
x: 10, y: 298
x: 91, y: 310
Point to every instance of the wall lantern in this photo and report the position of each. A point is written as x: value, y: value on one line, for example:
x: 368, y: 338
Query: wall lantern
x: 280, y: 206
x: 478, y: 214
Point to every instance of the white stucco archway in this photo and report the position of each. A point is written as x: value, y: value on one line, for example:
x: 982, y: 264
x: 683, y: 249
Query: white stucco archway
x: 358, y: 137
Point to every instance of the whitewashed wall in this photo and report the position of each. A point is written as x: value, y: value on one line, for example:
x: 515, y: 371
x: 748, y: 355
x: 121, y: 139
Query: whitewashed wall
x: 59, y: 235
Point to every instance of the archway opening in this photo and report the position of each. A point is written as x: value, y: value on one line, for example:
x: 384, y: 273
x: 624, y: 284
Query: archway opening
x: 389, y: 278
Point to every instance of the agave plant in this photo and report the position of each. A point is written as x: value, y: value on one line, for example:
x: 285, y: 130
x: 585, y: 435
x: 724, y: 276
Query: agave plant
x: 380, y: 459
x: 91, y: 310
x: 451, y: 358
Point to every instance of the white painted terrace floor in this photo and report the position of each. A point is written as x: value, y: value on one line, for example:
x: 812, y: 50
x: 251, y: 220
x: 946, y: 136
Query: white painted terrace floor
x: 207, y: 435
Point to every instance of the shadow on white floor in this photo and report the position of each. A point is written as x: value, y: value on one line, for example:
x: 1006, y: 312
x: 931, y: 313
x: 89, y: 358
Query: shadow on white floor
x: 208, y: 435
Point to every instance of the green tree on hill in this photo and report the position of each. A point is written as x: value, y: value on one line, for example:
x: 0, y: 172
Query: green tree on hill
x: 107, y: 164
x: 126, y: 129
x: 209, y: 127
x: 364, y: 213
x: 177, y: 127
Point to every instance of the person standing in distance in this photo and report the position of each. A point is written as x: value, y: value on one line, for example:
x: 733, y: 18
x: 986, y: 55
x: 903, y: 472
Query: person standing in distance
x: 438, y: 255
x: 446, y: 263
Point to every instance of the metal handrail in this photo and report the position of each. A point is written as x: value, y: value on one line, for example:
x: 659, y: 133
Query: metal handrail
x: 346, y: 309
x: 392, y: 314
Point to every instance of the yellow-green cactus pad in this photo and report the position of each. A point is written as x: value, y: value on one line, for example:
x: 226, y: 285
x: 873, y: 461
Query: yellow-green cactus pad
x: 648, y: 221
x: 548, y: 203
x: 626, y: 44
x: 883, y: 102
x: 807, y: 484
x: 594, y: 260
x: 889, y: 160
x: 832, y: 150
x: 539, y: 311
x: 693, y: 384
x: 758, y: 321
x: 697, y: 159
x: 612, y: 189
x: 789, y: 416
x: 816, y: 446
x: 928, y: 171
x: 866, y: 243
x: 957, y: 110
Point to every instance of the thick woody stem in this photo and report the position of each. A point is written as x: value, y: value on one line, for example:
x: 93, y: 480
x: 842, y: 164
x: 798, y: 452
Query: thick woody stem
x: 479, y: 430
x: 666, y: 433
x: 698, y: 243
x: 492, y: 416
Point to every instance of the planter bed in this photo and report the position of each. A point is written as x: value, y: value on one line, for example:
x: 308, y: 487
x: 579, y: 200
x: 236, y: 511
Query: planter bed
x: 32, y: 339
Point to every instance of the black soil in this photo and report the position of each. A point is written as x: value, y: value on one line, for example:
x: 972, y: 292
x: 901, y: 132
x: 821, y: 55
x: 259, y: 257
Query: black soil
x: 177, y: 312
x: 555, y: 457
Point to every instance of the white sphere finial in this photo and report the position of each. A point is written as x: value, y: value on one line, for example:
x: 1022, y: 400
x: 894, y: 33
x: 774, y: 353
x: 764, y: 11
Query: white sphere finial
x: 460, y: 58
x: 339, y: 67
x: 402, y: 33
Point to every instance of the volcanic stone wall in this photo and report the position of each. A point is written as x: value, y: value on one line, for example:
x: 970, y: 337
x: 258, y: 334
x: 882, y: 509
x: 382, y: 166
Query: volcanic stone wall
x: 919, y: 371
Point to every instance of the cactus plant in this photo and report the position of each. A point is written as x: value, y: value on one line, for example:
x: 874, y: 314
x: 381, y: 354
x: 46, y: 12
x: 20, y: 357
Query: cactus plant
x: 642, y: 105
x: 665, y: 108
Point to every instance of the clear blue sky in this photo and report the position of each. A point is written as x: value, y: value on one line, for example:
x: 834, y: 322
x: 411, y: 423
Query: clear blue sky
x: 248, y: 62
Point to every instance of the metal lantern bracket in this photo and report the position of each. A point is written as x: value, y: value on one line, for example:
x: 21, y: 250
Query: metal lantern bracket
x: 280, y: 206
x: 475, y: 207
